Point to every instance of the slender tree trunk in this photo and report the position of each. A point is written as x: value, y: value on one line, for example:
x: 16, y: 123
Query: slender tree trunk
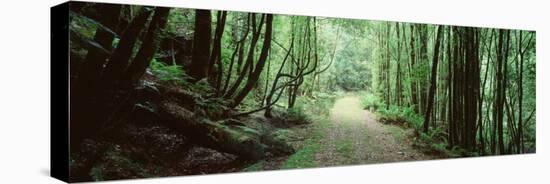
x: 423, y: 51
x: 251, y: 81
x: 248, y: 66
x: 148, y: 47
x: 398, y: 90
x: 433, y: 82
x: 412, y: 71
x: 387, y: 67
x: 500, y: 89
x: 120, y: 57
x: 215, y: 74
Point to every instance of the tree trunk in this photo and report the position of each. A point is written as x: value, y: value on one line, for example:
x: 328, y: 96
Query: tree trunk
x: 215, y: 74
x: 201, y: 45
x: 234, y: 139
x: 251, y: 81
x: 120, y: 58
x: 412, y: 72
x: 90, y: 73
x: 433, y: 84
x: 149, y: 46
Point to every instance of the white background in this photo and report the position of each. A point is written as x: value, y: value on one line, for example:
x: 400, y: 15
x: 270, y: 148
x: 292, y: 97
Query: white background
x: 25, y: 90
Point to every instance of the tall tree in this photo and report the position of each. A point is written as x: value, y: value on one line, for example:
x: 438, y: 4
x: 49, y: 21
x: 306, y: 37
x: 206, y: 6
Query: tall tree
x: 90, y: 72
x: 412, y: 72
x: 500, y: 90
x: 433, y: 81
x: 251, y: 81
x: 148, y: 47
x: 201, y: 45
x: 120, y: 58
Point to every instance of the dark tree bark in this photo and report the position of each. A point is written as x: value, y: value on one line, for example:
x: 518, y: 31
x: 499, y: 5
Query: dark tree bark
x: 249, y: 63
x: 414, y: 95
x: 120, y: 58
x: 148, y: 47
x: 89, y: 74
x: 500, y: 90
x: 457, y: 81
x: 89, y: 110
x: 423, y: 59
x: 471, y: 94
x: 251, y: 81
x: 269, y: 98
x: 237, y: 55
x: 398, y: 82
x: 201, y: 45
x: 215, y: 57
x: 387, y: 67
x: 433, y: 80
x: 482, y: 95
x: 233, y: 139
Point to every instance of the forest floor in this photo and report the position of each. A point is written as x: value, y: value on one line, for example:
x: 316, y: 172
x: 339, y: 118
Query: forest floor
x: 349, y: 135
x: 356, y: 137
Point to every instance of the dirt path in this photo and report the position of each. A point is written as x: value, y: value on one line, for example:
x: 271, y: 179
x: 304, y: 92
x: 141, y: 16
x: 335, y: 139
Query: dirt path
x: 356, y: 137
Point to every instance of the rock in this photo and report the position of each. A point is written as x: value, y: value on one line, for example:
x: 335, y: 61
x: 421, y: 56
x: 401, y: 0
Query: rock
x: 144, y: 113
x: 147, y: 91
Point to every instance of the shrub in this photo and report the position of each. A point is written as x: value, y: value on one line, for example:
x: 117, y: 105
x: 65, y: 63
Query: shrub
x: 404, y: 116
x: 297, y: 114
x: 169, y: 73
x: 371, y: 101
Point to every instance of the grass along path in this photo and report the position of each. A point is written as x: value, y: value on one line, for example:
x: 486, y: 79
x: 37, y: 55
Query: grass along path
x: 349, y: 136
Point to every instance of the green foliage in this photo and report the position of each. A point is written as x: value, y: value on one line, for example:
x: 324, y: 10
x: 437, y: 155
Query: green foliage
x: 345, y: 148
x: 255, y: 167
x: 168, y: 73
x: 116, y: 164
x: 322, y: 103
x: 404, y: 116
x: 97, y: 174
x: 283, y: 134
x: 398, y: 133
x: 304, y: 158
x: 297, y: 113
x: 435, y: 142
x: 371, y: 101
x: 83, y: 25
x: 201, y: 90
x: 211, y: 107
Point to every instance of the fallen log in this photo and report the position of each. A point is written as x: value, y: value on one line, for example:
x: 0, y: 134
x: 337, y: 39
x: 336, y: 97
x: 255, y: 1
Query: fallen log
x: 238, y: 140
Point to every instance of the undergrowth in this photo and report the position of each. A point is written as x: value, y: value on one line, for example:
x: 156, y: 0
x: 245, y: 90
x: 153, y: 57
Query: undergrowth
x: 169, y: 73
x: 316, y: 111
x: 434, y: 141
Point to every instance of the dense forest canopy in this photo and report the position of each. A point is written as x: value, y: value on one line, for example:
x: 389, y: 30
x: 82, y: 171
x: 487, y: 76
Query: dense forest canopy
x: 466, y: 91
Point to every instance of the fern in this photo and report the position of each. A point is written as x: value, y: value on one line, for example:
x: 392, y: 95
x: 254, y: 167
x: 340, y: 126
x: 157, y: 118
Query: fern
x: 169, y: 73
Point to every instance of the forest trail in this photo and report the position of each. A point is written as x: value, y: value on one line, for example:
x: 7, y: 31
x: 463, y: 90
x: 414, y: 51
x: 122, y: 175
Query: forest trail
x: 355, y: 136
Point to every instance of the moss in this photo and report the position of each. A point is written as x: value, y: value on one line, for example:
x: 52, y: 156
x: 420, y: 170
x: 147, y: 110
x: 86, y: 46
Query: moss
x: 97, y: 174
x: 283, y: 135
x: 305, y: 157
x: 345, y: 149
x: 116, y: 165
x: 255, y: 167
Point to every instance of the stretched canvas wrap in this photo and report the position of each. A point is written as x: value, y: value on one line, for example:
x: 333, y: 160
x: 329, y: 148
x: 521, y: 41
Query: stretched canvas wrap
x: 145, y: 91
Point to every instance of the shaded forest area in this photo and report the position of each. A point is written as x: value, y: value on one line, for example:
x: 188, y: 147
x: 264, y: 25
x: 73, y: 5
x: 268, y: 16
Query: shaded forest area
x: 161, y: 91
x: 470, y: 89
